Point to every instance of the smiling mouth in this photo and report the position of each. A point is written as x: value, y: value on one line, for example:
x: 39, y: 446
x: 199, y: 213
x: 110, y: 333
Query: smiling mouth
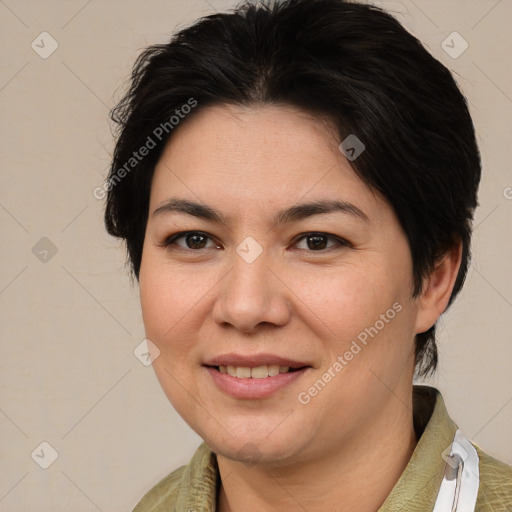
x: 257, y: 372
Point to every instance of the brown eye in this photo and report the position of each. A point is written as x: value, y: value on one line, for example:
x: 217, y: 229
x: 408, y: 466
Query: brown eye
x: 193, y: 240
x: 319, y: 241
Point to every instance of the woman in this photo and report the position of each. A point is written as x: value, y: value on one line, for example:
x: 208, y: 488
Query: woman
x: 295, y: 183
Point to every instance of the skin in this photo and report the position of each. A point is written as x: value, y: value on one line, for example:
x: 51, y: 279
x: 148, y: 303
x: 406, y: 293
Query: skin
x: 347, y: 447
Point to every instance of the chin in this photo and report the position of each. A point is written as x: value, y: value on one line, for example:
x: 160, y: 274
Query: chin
x: 256, y: 449
x: 251, y: 454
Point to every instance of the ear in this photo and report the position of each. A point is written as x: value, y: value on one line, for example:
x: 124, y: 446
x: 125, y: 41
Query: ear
x: 437, y: 289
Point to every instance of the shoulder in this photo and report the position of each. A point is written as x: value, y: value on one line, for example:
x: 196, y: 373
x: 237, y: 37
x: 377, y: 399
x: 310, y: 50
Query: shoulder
x: 190, y: 487
x: 164, y: 492
x: 495, y: 492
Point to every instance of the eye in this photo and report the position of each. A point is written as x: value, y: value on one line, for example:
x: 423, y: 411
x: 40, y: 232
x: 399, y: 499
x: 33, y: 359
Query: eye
x: 317, y: 242
x: 193, y: 240
x: 197, y: 240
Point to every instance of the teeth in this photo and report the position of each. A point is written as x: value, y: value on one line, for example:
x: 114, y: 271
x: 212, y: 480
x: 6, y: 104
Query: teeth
x: 243, y: 372
x: 258, y: 372
x: 273, y: 369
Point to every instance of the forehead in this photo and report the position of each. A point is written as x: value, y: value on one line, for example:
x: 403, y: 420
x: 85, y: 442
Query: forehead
x: 232, y: 134
x: 257, y: 157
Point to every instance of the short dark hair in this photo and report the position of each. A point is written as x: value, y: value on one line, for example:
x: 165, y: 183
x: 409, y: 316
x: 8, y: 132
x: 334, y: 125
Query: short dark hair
x: 349, y: 62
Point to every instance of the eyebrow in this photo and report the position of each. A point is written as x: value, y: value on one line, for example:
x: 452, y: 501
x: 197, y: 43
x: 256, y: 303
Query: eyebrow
x: 288, y: 215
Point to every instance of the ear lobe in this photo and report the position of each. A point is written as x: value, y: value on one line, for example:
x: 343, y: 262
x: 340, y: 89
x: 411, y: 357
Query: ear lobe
x: 437, y: 289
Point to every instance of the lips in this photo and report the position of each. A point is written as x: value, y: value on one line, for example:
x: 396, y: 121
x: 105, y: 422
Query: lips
x: 254, y: 376
x: 257, y: 366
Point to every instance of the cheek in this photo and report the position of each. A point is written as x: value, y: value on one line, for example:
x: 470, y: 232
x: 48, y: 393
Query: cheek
x: 347, y: 299
x: 367, y: 314
x: 173, y: 301
x: 170, y: 302
x: 156, y: 295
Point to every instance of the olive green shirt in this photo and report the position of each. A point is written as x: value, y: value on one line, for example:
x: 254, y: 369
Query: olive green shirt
x: 194, y: 487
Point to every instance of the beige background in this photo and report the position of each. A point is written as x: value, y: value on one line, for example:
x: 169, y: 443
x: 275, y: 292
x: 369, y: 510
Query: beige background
x: 70, y: 324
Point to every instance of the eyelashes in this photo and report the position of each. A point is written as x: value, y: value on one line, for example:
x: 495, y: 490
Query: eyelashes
x: 317, y: 237
x: 196, y: 236
x: 196, y: 241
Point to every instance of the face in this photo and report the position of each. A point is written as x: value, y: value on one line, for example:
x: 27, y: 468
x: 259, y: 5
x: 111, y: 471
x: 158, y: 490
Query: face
x: 309, y: 308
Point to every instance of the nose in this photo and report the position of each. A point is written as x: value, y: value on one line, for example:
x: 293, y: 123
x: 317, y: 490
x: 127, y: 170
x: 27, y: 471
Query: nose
x: 252, y: 295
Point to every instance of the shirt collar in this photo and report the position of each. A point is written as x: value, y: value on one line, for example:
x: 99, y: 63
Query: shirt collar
x: 416, y: 489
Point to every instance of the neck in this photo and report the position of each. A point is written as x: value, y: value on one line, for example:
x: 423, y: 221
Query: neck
x: 356, y: 477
